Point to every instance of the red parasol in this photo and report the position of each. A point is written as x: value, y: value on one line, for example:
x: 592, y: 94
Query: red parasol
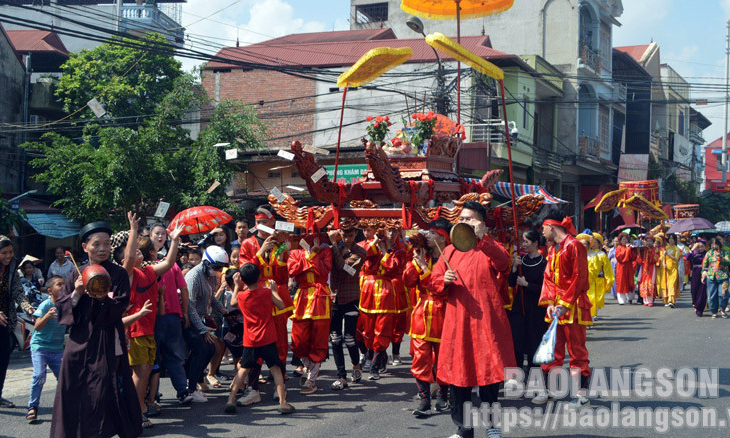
x: 199, y: 219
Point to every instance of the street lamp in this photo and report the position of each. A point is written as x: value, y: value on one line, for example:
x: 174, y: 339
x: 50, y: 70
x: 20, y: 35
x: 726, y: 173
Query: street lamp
x: 442, y: 100
x: 22, y: 195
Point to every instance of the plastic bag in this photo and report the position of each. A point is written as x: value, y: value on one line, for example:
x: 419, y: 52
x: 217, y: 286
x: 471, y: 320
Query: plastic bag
x: 546, y: 350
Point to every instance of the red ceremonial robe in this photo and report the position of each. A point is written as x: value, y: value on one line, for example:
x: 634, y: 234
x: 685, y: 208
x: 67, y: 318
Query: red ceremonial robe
x: 566, y: 282
x: 625, y: 258
x: 648, y: 261
x: 476, y: 339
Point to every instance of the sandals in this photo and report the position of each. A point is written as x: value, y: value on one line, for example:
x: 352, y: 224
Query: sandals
x: 214, y: 382
x: 356, y: 376
x: 287, y: 411
x: 6, y: 403
x: 32, y: 416
x: 146, y: 423
x: 339, y: 385
x: 310, y: 387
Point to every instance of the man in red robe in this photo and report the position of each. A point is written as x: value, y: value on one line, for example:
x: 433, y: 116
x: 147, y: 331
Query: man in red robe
x: 476, y: 339
x: 565, y: 293
x: 402, y: 317
x: 310, y: 267
x: 384, y: 262
x: 427, y: 319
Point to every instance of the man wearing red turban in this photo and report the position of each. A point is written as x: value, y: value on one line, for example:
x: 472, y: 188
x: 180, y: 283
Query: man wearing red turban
x: 565, y: 293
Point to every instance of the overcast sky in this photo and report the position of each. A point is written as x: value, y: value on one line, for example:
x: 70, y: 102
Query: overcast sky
x: 691, y: 33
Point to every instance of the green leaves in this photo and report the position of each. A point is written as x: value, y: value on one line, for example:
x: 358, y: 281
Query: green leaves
x: 715, y: 207
x: 125, y: 80
x: 143, y: 154
x: 9, y: 218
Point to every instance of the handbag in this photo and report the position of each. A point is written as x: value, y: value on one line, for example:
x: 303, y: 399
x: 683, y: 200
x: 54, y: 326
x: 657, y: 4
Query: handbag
x: 546, y: 350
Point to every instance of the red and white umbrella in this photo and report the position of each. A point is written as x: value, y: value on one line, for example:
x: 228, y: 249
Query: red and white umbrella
x: 199, y: 219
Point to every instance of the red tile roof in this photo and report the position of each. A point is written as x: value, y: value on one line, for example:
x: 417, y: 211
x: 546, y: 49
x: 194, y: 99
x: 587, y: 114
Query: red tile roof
x: 344, y: 53
x: 636, y: 52
x: 37, y: 41
x: 331, y: 37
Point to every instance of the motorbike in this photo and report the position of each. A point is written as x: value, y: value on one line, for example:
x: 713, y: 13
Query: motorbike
x: 22, y: 332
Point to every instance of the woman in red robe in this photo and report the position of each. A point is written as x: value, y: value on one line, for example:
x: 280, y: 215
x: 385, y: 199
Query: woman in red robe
x: 649, y: 258
x: 625, y: 258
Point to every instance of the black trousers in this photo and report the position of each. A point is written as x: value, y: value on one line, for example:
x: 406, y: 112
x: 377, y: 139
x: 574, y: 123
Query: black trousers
x: 459, y: 395
x: 347, y: 314
x: 5, y: 344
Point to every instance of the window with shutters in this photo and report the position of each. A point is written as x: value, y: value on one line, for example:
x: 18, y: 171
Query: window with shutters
x: 372, y: 13
x: 604, y: 125
x: 606, y: 51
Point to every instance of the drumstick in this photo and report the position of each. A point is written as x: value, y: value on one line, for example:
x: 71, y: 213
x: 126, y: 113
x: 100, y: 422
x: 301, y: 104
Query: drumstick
x: 442, y: 255
x: 68, y: 255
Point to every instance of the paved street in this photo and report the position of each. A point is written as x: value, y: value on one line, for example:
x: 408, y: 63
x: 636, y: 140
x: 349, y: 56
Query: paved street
x: 628, y: 336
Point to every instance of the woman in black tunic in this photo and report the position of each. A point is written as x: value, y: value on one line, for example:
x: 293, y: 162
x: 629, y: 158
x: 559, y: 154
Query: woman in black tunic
x: 526, y: 318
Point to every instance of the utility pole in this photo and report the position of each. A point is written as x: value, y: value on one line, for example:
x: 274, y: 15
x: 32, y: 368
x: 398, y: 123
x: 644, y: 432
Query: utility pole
x: 26, y: 106
x: 119, y: 15
x: 727, y: 98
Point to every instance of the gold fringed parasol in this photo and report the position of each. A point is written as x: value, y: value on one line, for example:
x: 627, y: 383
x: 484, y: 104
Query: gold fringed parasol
x: 373, y: 64
x: 444, y: 44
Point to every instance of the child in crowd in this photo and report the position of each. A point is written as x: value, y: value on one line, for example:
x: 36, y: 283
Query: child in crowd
x: 195, y: 256
x: 46, y: 345
x: 259, y: 335
x: 144, y: 289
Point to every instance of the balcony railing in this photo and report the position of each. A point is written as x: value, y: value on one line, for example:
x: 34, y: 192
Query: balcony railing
x: 590, y: 58
x: 492, y: 131
x: 547, y: 160
x: 588, y: 146
x: 695, y: 135
x: 147, y: 18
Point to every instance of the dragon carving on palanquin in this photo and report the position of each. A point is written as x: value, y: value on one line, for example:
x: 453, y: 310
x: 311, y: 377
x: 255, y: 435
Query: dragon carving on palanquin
x: 392, y: 184
x: 323, y: 190
x: 290, y: 210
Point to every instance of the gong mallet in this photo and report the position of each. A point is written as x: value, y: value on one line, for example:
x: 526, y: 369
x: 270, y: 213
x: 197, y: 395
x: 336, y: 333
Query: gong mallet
x: 463, y: 238
x: 70, y: 256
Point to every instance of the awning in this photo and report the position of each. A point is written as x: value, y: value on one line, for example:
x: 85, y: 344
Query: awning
x: 53, y: 225
x: 503, y: 189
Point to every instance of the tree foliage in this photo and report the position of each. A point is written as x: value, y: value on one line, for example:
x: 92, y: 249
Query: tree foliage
x: 126, y: 81
x: 9, y: 218
x: 715, y: 207
x: 112, y: 165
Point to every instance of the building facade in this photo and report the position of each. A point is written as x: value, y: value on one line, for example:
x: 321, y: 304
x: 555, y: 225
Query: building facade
x: 92, y: 21
x: 308, y: 108
x: 576, y: 37
x: 12, y: 88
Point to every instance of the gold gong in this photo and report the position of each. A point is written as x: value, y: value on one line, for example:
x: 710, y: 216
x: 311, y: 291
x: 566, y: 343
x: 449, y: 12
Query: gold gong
x: 463, y: 237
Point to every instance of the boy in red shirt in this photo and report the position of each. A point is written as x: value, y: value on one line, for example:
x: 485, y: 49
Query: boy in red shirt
x: 259, y: 335
x: 142, y: 346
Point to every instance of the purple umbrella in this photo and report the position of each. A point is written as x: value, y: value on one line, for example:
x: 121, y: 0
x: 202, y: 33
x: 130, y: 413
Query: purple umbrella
x: 695, y: 223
